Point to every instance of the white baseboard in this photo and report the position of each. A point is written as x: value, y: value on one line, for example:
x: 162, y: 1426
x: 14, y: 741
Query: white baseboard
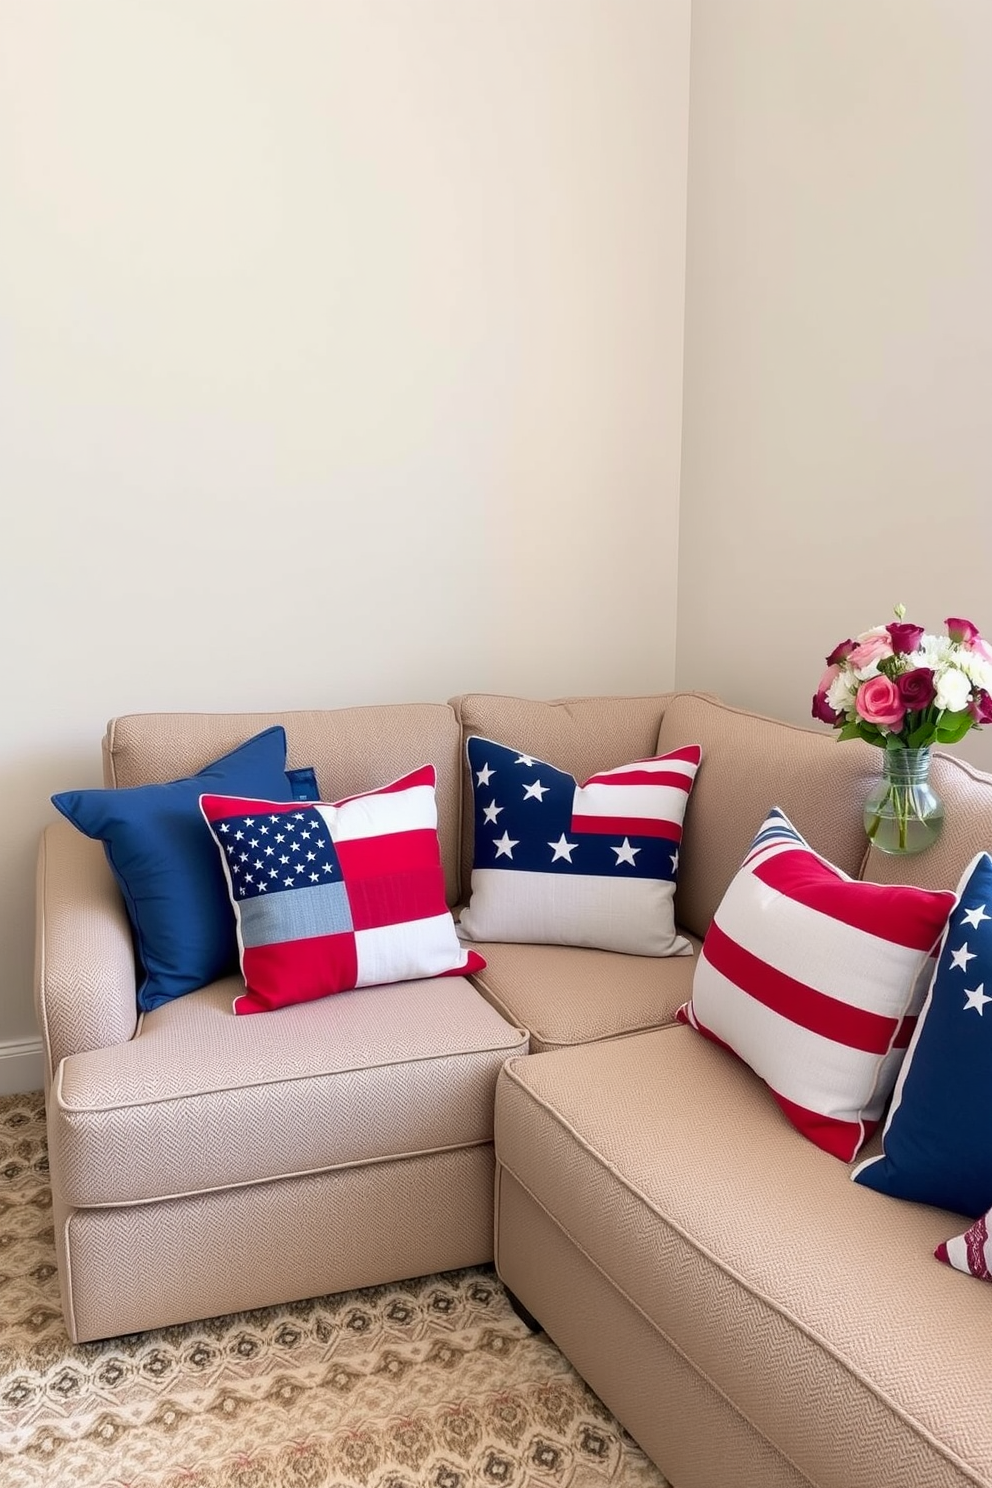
x: 21, y: 1066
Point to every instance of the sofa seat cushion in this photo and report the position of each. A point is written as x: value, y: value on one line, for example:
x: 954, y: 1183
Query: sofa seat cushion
x: 565, y: 995
x: 201, y: 1100
x: 753, y: 1254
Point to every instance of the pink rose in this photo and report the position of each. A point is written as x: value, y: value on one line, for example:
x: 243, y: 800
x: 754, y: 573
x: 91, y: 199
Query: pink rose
x: 878, y: 702
x: 840, y: 653
x: 905, y: 638
x: 821, y: 708
x: 875, y: 648
x: 962, y: 631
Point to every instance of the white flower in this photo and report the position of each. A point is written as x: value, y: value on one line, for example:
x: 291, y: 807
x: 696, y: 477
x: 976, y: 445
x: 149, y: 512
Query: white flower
x: 953, y: 689
x: 935, y: 652
x: 976, y: 668
x: 842, y: 692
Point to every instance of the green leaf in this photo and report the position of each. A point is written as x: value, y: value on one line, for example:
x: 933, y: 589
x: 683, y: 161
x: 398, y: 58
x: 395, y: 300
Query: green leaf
x: 953, y: 728
x: 920, y: 737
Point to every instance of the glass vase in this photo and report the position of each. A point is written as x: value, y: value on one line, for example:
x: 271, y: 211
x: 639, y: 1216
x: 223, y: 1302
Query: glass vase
x: 903, y: 813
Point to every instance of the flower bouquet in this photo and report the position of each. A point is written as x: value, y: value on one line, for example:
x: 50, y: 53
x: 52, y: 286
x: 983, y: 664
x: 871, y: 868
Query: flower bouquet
x: 904, y: 690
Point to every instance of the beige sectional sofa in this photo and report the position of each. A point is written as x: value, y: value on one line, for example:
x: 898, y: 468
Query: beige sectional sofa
x: 749, y: 1314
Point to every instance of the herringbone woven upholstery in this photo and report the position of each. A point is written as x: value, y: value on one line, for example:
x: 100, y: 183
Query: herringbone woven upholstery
x: 369, y: 1075
x: 678, y: 1417
x: 750, y: 764
x: 126, y: 1270
x: 351, y: 749
x: 84, y: 985
x: 812, y: 1305
x: 567, y: 995
x: 580, y: 735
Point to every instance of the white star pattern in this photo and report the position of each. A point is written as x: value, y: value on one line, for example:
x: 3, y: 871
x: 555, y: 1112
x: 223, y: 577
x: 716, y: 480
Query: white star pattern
x: 961, y: 957
x: 523, y: 759
x: 491, y: 812
x: 504, y: 845
x: 535, y: 791
x: 675, y: 861
x: 625, y: 853
x: 976, y: 999
x: 563, y: 849
x: 974, y: 917
x: 484, y: 775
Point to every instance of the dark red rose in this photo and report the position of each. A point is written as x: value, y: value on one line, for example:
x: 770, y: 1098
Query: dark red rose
x: 822, y: 709
x: 840, y: 653
x: 981, y: 707
x: 904, y: 638
x: 916, y: 689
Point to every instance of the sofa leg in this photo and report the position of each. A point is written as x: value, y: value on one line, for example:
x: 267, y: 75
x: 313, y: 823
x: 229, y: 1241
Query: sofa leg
x: 525, y: 1317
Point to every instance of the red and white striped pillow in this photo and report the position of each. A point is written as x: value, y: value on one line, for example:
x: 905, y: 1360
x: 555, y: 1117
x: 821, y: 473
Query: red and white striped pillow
x: 814, y: 979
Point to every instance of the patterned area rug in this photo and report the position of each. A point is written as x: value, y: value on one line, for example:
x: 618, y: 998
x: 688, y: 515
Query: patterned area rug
x: 429, y: 1382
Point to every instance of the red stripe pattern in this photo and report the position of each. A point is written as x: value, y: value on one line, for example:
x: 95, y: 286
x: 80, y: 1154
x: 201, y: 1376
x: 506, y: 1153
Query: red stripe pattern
x: 334, y: 895
x: 563, y: 863
x: 815, y: 980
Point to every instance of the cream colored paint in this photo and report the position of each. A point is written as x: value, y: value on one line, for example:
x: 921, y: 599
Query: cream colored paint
x: 837, y: 456
x: 340, y: 357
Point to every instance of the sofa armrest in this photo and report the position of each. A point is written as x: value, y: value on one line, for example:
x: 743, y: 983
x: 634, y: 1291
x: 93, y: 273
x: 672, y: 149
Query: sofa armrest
x: 84, y: 982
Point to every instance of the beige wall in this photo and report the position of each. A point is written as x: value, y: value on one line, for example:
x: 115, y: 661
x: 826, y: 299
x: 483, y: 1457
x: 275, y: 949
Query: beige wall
x: 837, y: 455
x: 341, y: 360
x: 341, y: 356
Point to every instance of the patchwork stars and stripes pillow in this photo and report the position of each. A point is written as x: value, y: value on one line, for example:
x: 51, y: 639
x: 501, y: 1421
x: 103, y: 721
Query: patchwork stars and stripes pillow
x: 814, y: 980
x: 936, y: 1147
x: 558, y: 863
x: 336, y: 895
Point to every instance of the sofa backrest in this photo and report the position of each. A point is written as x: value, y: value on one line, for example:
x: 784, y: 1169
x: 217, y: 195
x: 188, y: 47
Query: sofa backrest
x: 351, y: 749
x: 749, y: 764
x: 577, y: 734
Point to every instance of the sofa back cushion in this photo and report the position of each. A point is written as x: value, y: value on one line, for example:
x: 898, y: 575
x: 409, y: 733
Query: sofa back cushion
x: 751, y: 763
x: 580, y: 735
x: 352, y: 750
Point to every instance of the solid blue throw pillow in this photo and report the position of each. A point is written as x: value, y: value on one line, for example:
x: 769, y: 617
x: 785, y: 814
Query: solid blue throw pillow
x: 937, y: 1142
x: 164, y: 859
